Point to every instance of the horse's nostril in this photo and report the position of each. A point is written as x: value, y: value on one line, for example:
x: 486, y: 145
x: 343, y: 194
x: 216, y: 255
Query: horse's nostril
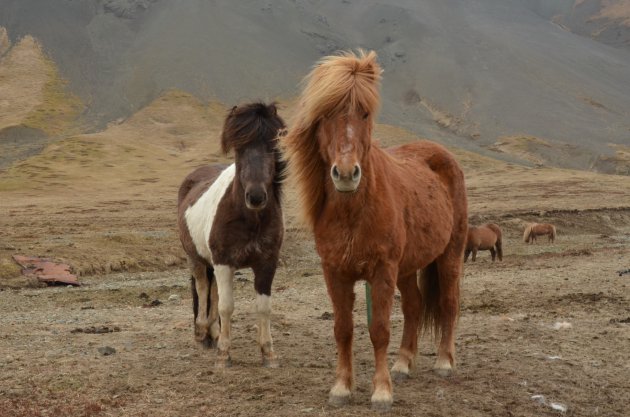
x: 356, y: 173
x: 335, y: 172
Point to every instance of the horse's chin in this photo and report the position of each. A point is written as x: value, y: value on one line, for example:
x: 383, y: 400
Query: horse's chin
x: 346, y: 188
x: 255, y: 208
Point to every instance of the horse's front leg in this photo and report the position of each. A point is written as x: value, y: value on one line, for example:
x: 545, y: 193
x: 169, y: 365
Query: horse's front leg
x: 383, y: 283
x: 263, y: 278
x: 224, y: 275
x: 341, y: 292
x: 466, y: 254
x: 493, y: 253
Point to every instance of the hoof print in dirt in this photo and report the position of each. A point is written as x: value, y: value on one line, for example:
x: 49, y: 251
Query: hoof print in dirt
x: 106, y: 350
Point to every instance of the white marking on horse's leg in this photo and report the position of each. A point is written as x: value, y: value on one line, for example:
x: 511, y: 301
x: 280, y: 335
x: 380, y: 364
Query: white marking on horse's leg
x: 339, y: 394
x: 382, y: 399
x: 443, y: 366
x: 215, y: 328
x: 401, y: 367
x: 224, y: 275
x: 263, y: 308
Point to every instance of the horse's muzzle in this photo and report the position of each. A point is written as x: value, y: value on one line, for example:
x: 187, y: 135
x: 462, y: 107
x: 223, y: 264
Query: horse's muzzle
x: 346, y: 182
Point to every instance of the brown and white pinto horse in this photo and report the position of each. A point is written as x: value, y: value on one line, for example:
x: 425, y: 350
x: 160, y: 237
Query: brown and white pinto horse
x: 486, y: 237
x: 534, y: 230
x: 231, y: 218
x: 377, y: 215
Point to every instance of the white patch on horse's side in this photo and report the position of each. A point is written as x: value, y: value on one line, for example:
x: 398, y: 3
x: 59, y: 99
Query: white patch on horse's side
x: 200, y: 216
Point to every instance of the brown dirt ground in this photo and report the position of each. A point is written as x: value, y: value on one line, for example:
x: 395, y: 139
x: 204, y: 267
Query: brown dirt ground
x: 106, y: 204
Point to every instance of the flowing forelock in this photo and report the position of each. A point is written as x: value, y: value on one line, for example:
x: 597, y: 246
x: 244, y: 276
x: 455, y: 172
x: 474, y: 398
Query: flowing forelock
x: 339, y: 84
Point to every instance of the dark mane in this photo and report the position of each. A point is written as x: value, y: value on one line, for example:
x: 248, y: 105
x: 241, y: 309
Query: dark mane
x: 254, y: 122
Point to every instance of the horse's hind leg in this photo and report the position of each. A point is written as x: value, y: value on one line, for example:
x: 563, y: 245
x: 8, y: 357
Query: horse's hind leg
x: 474, y: 254
x: 493, y: 253
x: 449, y: 271
x: 224, y: 275
x: 201, y: 302
x: 411, y: 308
x: 466, y: 254
x: 262, y: 283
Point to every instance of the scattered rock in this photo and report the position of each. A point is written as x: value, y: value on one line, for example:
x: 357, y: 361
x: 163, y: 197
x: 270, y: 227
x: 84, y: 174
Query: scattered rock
x: 153, y: 303
x: 561, y: 325
x: 173, y: 297
x: 559, y: 407
x: 96, y: 329
x: 87, y: 308
x: 106, y: 350
x: 143, y: 296
x: 327, y: 316
x: 615, y: 321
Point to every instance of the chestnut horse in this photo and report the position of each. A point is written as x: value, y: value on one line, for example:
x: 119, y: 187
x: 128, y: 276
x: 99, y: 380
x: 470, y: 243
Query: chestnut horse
x: 539, y: 229
x: 486, y: 237
x: 378, y: 215
x: 230, y: 218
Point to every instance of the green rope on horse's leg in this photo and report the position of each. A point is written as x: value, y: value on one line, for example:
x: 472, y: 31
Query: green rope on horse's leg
x: 368, y: 302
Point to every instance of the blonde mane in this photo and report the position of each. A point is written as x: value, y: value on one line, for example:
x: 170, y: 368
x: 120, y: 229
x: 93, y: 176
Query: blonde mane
x: 338, y: 84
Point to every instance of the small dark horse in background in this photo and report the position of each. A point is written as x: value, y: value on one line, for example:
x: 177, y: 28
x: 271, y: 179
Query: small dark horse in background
x: 231, y: 218
x: 486, y: 237
x: 534, y: 230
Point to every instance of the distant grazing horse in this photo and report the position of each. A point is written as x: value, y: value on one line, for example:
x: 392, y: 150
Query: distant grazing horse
x: 486, y: 237
x: 534, y: 230
x: 378, y: 215
x: 231, y: 218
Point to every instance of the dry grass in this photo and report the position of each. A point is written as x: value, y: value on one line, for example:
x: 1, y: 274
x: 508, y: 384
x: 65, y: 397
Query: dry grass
x: 105, y: 202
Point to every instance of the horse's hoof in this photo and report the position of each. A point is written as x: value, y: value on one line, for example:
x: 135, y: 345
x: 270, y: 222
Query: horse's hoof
x: 443, y: 372
x: 382, y: 406
x: 208, y: 343
x: 223, y: 361
x: 270, y: 363
x: 338, y: 400
x: 399, y: 377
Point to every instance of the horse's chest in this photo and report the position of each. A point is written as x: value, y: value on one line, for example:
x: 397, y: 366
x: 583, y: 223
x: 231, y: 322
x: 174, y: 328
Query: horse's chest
x: 241, y: 244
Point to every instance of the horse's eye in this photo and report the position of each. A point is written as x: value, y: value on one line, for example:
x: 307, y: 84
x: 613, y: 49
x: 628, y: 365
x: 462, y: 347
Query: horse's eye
x: 366, y: 115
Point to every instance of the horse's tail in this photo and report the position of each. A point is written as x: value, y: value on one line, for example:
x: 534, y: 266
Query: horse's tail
x: 528, y: 232
x: 429, y: 285
x: 497, y: 231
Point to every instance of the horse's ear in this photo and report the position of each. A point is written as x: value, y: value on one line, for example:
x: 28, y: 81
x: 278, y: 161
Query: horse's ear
x: 233, y: 110
x: 273, y: 109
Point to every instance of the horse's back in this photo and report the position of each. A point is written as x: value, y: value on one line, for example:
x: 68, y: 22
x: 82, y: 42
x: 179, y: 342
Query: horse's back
x: 434, y: 183
x: 206, y: 174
